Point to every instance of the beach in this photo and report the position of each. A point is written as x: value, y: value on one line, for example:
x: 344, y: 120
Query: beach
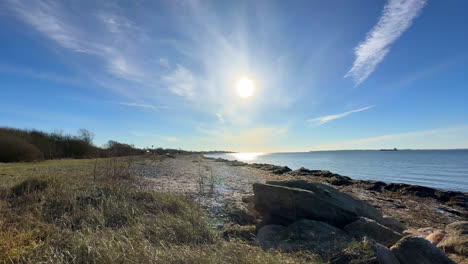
x: 226, y: 181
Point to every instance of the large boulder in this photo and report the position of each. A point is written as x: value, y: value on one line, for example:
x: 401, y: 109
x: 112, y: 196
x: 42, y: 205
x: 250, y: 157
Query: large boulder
x: 284, y: 202
x: 393, y: 224
x: 366, y: 227
x: 384, y: 255
x: 270, y: 236
x: 318, y: 237
x: 412, y: 250
x: 456, y: 240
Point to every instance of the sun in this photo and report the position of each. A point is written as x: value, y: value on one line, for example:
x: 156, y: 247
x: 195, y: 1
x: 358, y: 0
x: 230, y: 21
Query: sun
x: 245, y: 87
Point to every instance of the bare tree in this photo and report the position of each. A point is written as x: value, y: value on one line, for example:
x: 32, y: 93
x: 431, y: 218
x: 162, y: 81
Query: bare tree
x: 86, y: 135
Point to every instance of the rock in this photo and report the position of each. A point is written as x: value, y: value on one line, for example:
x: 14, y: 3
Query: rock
x: 384, y: 255
x: 318, y: 237
x: 456, y: 240
x: 336, y: 179
x: 269, y: 236
x: 281, y: 170
x: 376, y: 186
x: 412, y: 250
x: 413, y: 232
x: 286, y: 201
x: 271, y: 168
x: 449, y: 197
x: 393, y: 224
x: 339, y: 181
x: 248, y: 198
x: 366, y: 227
x: 460, y: 227
x: 427, y: 230
x: 436, y: 237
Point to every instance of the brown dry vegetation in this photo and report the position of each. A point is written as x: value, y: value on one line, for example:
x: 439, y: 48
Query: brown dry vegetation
x: 91, y: 211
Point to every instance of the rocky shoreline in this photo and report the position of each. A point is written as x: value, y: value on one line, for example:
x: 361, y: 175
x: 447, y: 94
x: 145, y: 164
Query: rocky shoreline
x: 442, y: 206
x: 368, y: 217
x: 409, y: 216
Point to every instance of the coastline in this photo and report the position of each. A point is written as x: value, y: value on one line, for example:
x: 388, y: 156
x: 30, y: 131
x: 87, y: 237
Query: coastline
x: 438, y: 169
x: 414, y: 205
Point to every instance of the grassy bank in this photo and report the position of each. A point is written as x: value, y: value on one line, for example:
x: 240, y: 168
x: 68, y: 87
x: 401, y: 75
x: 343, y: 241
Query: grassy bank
x: 91, y: 211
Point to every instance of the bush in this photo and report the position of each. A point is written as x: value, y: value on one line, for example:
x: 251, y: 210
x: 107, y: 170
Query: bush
x: 14, y: 149
x: 30, y: 145
x: 28, y: 186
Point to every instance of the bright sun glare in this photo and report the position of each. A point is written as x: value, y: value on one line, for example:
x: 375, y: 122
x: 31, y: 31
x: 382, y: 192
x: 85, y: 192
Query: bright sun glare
x: 245, y: 87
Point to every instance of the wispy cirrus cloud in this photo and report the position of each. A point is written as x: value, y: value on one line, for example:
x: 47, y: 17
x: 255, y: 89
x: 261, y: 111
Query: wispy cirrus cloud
x: 181, y: 81
x: 397, y: 17
x: 324, y: 119
x: 149, y: 106
x: 220, y: 117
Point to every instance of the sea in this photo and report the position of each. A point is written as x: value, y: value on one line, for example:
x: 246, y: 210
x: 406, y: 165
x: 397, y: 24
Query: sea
x: 441, y: 169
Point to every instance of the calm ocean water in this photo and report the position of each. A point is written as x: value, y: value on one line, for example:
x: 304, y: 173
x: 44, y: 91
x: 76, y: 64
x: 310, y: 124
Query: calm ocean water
x: 442, y: 169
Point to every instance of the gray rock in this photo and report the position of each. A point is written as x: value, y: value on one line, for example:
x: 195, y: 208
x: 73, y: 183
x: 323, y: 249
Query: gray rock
x: 287, y: 201
x: 384, y: 255
x: 270, y: 236
x: 393, y: 224
x: 456, y: 240
x: 366, y: 227
x: 412, y: 250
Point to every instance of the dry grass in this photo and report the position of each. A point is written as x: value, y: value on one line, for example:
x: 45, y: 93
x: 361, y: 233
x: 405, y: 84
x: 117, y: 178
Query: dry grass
x: 88, y: 211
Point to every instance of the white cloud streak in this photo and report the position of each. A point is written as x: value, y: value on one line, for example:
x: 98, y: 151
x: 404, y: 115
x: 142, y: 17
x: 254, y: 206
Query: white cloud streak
x: 180, y: 81
x: 142, y: 105
x: 397, y: 17
x: 324, y: 119
x: 220, y: 117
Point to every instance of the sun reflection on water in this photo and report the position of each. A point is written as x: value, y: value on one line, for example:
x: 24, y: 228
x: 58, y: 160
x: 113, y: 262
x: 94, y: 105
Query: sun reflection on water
x: 246, y: 156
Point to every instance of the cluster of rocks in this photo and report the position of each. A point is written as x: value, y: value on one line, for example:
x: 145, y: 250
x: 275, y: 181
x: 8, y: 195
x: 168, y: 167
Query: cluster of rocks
x: 447, y: 197
x: 302, y: 215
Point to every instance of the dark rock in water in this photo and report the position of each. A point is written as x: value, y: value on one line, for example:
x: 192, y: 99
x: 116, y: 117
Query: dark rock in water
x: 271, y: 168
x: 456, y: 240
x: 318, y: 173
x: 282, y: 170
x: 341, y: 181
x: 412, y: 250
x: 376, y: 186
x: 363, y: 227
x: 303, y: 172
x: 314, y: 236
x: 284, y: 202
x: 450, y: 197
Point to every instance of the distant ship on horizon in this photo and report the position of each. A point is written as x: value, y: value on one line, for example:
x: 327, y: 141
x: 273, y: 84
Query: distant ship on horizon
x: 393, y: 149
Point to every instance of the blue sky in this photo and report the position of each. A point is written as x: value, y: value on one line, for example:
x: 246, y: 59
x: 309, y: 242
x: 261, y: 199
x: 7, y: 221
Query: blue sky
x: 327, y: 74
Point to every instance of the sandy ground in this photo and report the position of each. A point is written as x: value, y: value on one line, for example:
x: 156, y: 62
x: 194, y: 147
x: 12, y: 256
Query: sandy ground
x: 212, y: 184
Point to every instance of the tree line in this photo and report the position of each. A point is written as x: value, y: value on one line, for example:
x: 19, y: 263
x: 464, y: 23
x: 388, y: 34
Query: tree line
x: 31, y: 145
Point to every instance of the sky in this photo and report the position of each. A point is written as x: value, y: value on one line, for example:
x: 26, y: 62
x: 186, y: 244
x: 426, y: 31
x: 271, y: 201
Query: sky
x: 337, y: 74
